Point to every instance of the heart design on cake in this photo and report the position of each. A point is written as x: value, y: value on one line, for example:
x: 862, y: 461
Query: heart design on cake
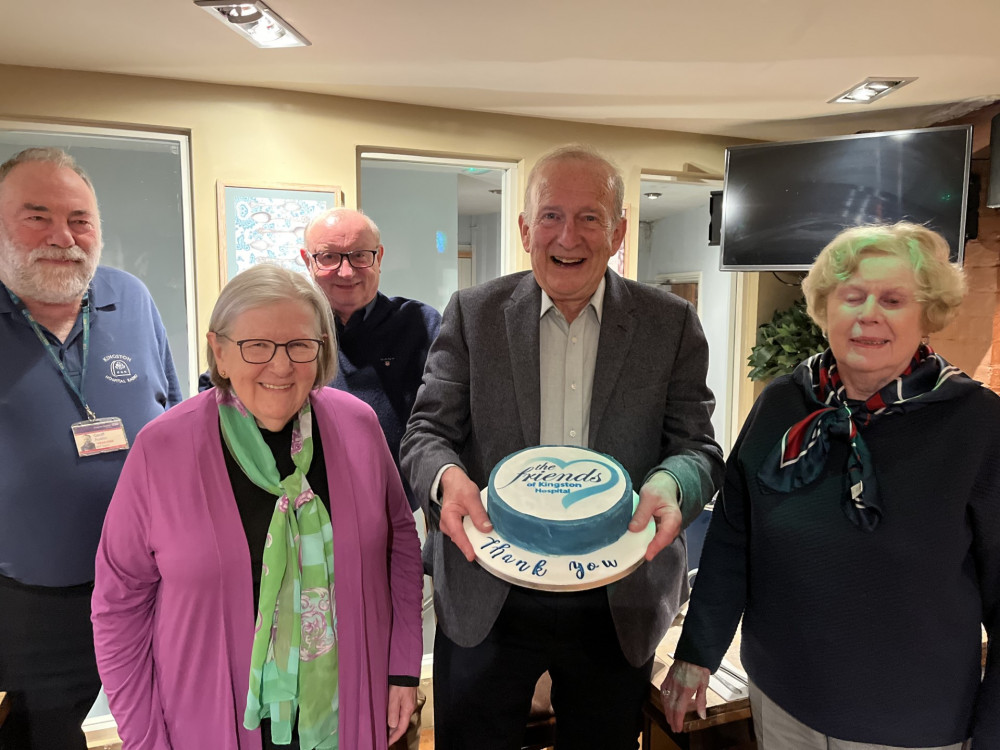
x: 588, y: 472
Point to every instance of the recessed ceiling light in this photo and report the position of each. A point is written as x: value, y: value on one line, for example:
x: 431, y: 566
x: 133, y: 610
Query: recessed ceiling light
x: 652, y: 196
x: 256, y: 22
x: 869, y: 90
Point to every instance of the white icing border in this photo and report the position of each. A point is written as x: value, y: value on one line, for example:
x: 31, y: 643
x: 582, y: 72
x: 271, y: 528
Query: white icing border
x: 532, y: 570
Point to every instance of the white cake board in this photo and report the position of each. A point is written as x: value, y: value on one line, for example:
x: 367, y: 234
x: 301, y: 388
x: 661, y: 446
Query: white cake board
x: 532, y: 570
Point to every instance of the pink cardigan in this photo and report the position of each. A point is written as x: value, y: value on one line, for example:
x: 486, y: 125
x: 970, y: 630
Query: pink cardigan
x: 172, y: 605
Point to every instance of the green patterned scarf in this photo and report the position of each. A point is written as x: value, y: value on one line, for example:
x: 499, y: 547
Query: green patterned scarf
x: 293, y: 665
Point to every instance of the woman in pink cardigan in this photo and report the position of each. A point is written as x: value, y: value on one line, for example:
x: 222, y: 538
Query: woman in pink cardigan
x: 258, y: 579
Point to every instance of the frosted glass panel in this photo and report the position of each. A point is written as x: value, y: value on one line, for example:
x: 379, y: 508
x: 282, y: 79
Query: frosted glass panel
x: 425, y: 209
x: 417, y: 214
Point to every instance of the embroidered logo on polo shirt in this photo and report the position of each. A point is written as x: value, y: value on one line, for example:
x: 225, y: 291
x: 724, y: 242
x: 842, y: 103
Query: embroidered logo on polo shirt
x: 118, y: 368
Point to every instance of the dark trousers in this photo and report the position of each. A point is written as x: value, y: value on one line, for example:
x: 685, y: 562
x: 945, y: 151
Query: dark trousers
x: 47, y: 665
x: 482, y: 694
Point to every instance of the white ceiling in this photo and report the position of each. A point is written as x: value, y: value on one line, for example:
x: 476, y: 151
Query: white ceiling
x: 751, y: 68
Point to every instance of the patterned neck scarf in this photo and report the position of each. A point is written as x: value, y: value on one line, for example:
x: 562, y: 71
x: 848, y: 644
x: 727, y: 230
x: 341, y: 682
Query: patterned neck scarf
x: 293, y: 664
x: 800, y: 456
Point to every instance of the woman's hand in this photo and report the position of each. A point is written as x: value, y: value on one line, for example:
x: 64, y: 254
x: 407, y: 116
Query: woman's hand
x: 684, y: 686
x: 402, y: 701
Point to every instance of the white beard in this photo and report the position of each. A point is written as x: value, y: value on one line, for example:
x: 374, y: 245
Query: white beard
x: 21, y: 272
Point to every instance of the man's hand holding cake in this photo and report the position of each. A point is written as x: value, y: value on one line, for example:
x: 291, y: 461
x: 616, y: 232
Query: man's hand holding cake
x: 460, y: 498
x: 658, y: 500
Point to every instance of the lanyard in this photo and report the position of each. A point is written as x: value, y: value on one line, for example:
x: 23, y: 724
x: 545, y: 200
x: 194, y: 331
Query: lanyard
x: 85, y: 309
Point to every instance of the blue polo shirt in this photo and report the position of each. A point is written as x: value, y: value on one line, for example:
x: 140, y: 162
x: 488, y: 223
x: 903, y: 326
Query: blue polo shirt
x: 52, y: 501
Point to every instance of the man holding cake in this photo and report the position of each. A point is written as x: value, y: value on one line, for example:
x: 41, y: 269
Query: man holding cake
x: 569, y: 354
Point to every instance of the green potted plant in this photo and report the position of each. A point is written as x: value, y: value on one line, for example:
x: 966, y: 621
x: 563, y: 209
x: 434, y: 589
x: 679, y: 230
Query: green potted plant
x: 788, y: 339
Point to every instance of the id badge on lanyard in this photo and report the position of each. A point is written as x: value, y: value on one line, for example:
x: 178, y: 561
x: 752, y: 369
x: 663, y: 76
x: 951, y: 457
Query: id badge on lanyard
x: 99, y: 436
x: 93, y: 435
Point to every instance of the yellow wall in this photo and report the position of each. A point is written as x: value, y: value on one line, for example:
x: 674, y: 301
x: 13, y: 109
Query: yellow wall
x: 264, y: 135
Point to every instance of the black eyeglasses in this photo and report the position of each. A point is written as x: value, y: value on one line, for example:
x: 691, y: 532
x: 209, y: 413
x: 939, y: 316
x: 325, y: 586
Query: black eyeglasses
x: 330, y: 261
x: 261, y: 351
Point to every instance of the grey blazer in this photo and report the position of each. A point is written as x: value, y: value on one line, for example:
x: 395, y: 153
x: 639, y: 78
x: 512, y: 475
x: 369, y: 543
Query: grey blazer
x: 650, y: 409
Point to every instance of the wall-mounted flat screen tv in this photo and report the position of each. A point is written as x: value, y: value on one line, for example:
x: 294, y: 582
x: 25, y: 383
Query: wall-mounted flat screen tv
x: 783, y: 202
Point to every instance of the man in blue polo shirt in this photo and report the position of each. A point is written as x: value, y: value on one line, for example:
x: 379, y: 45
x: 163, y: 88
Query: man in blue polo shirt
x: 85, y: 365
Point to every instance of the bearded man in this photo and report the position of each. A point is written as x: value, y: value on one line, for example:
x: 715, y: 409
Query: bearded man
x: 86, y: 364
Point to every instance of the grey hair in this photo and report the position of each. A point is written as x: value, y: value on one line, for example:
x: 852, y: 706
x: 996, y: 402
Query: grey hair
x: 267, y: 284
x: 583, y: 153
x: 337, y: 214
x: 49, y: 155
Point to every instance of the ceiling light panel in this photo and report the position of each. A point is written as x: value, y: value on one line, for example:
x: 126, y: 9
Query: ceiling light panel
x: 255, y: 22
x: 869, y: 90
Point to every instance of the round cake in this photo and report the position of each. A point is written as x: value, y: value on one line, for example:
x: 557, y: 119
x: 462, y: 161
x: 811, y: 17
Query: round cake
x: 559, y: 499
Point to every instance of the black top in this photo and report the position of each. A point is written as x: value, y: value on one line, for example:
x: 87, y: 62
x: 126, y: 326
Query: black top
x: 871, y: 637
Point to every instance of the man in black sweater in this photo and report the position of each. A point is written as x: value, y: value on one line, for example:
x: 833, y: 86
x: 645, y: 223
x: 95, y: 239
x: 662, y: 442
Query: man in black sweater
x: 382, y: 341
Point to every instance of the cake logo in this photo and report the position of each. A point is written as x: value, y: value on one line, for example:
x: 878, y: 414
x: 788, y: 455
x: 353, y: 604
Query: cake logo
x: 575, y: 480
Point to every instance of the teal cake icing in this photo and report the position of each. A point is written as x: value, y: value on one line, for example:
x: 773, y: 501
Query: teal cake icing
x: 559, y: 499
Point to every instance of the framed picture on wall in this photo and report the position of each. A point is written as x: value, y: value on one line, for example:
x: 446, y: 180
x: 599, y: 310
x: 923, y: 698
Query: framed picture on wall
x: 267, y: 223
x: 619, y: 261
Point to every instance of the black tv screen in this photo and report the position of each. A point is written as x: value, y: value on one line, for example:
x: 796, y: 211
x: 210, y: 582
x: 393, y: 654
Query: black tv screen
x: 783, y: 202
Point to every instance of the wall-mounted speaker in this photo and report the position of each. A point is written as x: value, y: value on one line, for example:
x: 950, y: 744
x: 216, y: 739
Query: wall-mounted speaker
x: 993, y: 197
x: 715, y: 223
x: 972, y: 207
